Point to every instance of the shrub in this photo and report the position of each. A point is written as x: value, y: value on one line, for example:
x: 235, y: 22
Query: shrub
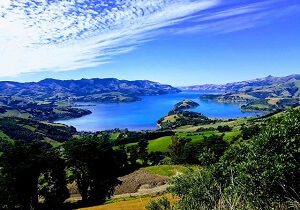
x: 161, y: 204
x: 224, y: 128
x: 267, y: 168
x: 177, y: 150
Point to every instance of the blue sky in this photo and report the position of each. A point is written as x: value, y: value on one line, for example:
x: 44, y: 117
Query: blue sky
x: 179, y: 42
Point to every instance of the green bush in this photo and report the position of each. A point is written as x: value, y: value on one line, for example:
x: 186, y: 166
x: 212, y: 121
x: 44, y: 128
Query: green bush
x: 161, y: 204
x: 267, y: 168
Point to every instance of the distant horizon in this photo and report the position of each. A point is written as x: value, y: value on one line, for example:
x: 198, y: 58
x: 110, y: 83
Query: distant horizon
x: 177, y: 86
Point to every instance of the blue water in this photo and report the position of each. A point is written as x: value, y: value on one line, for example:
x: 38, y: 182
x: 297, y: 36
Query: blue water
x: 143, y: 115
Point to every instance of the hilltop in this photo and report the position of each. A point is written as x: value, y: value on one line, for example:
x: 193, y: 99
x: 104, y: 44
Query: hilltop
x: 185, y: 104
x: 237, y: 86
x: 85, y: 89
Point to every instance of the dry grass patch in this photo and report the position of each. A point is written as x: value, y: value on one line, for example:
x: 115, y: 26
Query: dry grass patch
x: 138, y: 203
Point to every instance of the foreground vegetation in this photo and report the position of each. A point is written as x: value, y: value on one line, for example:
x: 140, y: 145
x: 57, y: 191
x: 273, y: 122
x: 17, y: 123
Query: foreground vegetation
x: 260, y: 173
x: 250, y: 163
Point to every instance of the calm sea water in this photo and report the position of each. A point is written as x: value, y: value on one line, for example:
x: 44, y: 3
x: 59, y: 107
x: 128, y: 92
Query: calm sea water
x: 144, y: 114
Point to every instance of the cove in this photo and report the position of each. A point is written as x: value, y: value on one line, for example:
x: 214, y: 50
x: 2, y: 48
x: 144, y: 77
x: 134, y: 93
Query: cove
x: 143, y: 115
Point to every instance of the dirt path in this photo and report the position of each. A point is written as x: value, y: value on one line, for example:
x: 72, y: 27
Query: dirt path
x: 142, y: 192
x: 138, y: 183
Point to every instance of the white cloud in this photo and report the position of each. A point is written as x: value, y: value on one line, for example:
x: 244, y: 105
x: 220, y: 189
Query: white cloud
x: 56, y: 35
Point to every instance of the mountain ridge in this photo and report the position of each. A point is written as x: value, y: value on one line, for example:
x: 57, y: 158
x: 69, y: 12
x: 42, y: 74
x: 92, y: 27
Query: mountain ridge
x: 51, y: 99
x: 90, y: 86
x: 264, y: 94
x: 235, y: 86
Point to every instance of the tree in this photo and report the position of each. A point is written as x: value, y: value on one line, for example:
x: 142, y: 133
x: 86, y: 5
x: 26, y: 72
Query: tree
x: 211, y: 149
x: 52, y: 182
x: 121, y: 158
x: 224, y: 128
x: 155, y: 158
x: 21, y: 166
x: 197, y: 188
x: 250, y: 131
x: 133, y: 153
x: 142, y: 151
x: 94, y: 167
x: 177, y: 149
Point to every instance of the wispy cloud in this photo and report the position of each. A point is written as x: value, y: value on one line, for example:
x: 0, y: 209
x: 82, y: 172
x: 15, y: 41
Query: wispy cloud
x: 56, y: 35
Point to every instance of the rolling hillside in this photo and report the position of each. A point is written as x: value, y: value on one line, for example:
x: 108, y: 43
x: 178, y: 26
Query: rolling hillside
x: 26, y: 130
x: 246, y: 85
x: 52, y: 99
x: 266, y: 94
x: 106, y: 90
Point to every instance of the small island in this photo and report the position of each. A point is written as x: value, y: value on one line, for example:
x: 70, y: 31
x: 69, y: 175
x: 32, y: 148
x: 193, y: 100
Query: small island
x: 185, y: 104
x: 179, y: 116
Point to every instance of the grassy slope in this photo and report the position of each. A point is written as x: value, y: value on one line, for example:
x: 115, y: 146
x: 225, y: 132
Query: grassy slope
x: 236, y: 123
x: 135, y: 203
x: 5, y: 137
x: 161, y: 144
x: 166, y: 170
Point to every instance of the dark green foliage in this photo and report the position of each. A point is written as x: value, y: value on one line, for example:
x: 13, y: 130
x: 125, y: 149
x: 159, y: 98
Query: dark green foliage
x: 94, y: 167
x: 177, y: 150
x: 52, y: 182
x: 139, y: 152
x: 269, y: 169
x: 17, y: 132
x: 122, y: 159
x: 211, y: 149
x: 21, y: 167
x: 184, y: 118
x: 249, y: 131
x: 224, y: 128
x: 155, y: 158
x: 197, y: 189
x: 57, y: 133
x: 142, y: 151
x: 133, y: 154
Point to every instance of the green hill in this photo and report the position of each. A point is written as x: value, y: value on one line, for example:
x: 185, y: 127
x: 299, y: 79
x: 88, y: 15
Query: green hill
x: 26, y: 130
x: 268, y: 94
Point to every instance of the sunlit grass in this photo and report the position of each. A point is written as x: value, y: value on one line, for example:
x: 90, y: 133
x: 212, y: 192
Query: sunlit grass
x: 166, y: 170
